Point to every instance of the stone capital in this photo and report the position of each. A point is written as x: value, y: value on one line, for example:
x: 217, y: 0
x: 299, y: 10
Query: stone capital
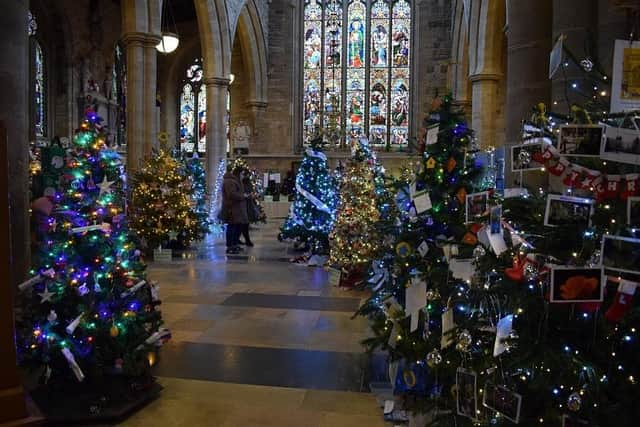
x: 217, y: 81
x: 485, y: 76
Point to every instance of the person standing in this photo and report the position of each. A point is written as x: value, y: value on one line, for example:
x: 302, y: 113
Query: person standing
x: 234, y: 204
x: 247, y: 186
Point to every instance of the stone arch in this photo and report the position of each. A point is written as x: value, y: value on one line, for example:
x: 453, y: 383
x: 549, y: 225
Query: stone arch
x: 251, y: 37
x: 215, y: 38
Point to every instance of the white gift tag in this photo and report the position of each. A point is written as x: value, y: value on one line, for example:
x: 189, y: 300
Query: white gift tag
x: 423, y: 249
x: 462, y: 269
x: 422, y: 202
x: 432, y: 135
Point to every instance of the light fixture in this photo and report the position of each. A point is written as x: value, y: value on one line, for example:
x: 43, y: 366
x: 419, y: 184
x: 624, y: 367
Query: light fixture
x: 169, y: 43
x: 232, y: 77
x: 170, y: 39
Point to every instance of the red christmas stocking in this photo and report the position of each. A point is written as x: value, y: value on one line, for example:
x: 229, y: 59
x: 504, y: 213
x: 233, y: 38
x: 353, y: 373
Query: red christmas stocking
x: 622, y: 301
x: 631, y: 186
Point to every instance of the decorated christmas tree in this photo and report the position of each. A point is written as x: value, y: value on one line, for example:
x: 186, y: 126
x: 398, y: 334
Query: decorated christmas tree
x: 354, y: 239
x: 90, y: 313
x: 195, y: 171
x: 163, y: 204
x: 312, y: 214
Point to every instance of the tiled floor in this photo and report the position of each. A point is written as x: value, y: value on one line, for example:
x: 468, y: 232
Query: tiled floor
x: 258, y: 341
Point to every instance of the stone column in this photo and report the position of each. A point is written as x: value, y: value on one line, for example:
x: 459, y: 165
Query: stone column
x: 257, y: 109
x: 484, y: 108
x: 529, y: 44
x: 149, y: 94
x: 216, y: 131
x: 14, y: 219
x: 135, y: 43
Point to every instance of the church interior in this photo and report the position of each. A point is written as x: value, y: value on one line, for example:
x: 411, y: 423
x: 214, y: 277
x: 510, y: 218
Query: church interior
x: 442, y: 196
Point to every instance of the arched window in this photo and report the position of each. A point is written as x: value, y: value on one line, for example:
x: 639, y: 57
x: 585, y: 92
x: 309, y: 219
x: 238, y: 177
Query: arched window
x: 356, y: 69
x: 193, y: 110
x: 119, y: 90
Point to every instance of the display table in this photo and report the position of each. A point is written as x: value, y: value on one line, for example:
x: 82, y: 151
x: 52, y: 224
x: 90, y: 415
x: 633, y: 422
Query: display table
x: 276, y: 209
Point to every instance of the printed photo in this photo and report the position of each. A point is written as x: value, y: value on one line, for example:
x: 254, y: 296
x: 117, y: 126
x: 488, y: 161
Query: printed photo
x: 622, y: 143
x: 633, y: 212
x: 503, y: 401
x: 580, y: 140
x: 466, y: 384
x: 576, y: 284
x: 621, y: 254
x: 477, y: 206
x: 522, y: 157
x: 566, y: 210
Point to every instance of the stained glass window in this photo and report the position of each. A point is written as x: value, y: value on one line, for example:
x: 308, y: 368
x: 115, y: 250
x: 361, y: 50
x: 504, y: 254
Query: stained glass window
x: 40, y: 91
x: 356, y: 67
x: 193, y: 110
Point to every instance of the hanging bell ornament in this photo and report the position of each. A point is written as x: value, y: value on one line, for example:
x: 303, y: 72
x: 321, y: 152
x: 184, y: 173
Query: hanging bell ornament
x: 434, y: 358
x: 586, y: 64
x: 574, y: 402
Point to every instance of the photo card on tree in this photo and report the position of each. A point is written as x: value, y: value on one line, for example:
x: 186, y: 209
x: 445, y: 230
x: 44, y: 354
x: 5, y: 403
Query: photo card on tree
x: 620, y: 254
x: 476, y: 206
x: 568, y: 210
x: 467, y: 393
x: 523, y: 157
x: 503, y: 401
x: 580, y: 140
x: 576, y: 284
x: 622, y: 144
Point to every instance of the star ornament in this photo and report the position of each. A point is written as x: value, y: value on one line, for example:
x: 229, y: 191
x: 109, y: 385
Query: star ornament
x: 105, y: 186
x: 46, y: 295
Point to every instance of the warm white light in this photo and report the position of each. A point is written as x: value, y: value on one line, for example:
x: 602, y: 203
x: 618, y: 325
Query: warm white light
x: 232, y: 77
x: 169, y: 43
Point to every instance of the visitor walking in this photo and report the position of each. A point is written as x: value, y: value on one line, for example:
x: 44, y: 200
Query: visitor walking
x: 234, y: 208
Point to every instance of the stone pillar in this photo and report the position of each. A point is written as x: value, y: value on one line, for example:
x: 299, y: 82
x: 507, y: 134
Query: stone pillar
x: 14, y: 219
x: 257, y: 109
x: 484, y: 108
x: 574, y: 19
x: 135, y: 43
x: 149, y: 94
x: 216, y: 131
x: 529, y: 44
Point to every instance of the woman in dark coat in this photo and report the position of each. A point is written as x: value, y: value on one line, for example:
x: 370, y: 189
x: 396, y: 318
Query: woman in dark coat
x: 234, y: 201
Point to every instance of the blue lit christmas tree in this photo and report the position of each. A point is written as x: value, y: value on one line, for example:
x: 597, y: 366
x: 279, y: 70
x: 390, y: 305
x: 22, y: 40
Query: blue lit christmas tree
x: 312, y: 214
x: 90, y: 313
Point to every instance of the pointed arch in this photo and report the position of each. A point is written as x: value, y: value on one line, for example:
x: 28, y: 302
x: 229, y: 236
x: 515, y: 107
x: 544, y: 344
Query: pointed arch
x: 251, y: 37
x: 215, y: 36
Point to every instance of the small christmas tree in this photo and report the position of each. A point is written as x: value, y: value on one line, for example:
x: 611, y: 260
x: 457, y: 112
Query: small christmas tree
x: 163, y: 204
x: 312, y: 213
x: 195, y: 171
x: 354, y: 239
x: 89, y: 311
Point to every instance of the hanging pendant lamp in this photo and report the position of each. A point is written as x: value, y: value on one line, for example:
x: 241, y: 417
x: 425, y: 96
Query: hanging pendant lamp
x: 170, y: 39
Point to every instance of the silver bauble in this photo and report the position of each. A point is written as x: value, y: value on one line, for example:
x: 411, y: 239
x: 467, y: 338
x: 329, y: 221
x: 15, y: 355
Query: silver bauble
x: 524, y: 157
x: 434, y: 358
x: 586, y: 64
x: 574, y: 402
x: 479, y: 251
x: 464, y: 341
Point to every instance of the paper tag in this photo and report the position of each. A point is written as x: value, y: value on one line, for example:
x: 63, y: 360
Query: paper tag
x: 447, y: 325
x: 422, y: 202
x: 415, y: 297
x: 388, y: 406
x: 504, y: 328
x: 412, y: 189
x: 462, y: 269
x: 432, y: 135
x: 334, y: 277
x: 497, y: 243
x: 423, y: 249
x: 515, y: 192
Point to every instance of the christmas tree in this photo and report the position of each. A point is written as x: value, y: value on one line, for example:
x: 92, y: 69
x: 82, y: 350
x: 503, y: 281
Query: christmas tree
x: 354, y: 240
x: 312, y: 213
x: 196, y: 173
x: 164, y: 204
x: 90, y: 313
